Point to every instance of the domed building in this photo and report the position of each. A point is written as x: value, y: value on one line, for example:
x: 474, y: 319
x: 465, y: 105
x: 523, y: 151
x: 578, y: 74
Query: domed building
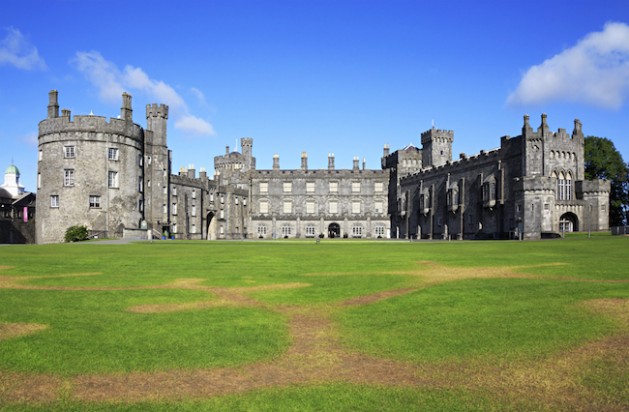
x: 17, y: 209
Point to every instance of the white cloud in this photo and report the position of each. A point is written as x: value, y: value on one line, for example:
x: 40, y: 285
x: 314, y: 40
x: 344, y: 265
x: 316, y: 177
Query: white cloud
x: 111, y: 82
x: 17, y: 51
x: 594, y: 71
x: 194, y: 125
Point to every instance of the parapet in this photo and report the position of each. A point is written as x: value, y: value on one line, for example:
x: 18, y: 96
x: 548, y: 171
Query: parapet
x: 157, y: 110
x: 437, y: 134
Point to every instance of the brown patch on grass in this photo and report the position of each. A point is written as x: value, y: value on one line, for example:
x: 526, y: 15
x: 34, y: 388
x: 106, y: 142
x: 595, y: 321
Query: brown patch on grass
x: 29, y: 388
x: 365, y: 300
x: 14, y: 330
x: 616, y: 308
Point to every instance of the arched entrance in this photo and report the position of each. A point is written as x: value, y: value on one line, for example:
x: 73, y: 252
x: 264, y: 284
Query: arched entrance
x: 334, y: 230
x: 568, y: 222
x: 211, y: 226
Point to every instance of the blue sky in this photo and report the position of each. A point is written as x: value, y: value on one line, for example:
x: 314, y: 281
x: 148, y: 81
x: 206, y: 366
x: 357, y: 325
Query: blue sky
x: 343, y: 76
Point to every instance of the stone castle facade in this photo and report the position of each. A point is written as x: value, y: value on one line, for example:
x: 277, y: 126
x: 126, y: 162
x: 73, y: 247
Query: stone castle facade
x: 115, y: 177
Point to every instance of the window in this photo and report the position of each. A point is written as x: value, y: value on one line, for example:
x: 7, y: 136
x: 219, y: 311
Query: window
x: 379, y: 206
x: 334, y: 187
x: 39, y: 180
x: 141, y: 184
x: 68, y: 177
x: 378, y: 187
x: 564, y: 186
x: 221, y: 214
x: 112, y: 153
x: 54, y: 201
x: 194, y: 193
x: 310, y: 231
x: 193, y: 211
x: 287, y: 230
x: 141, y: 205
x: 357, y: 231
x: 164, y: 190
x: 112, y: 179
x: 333, y: 207
x: 174, y: 209
x: 69, y: 152
x: 356, y: 206
x: 264, y: 187
x: 211, y: 197
x: 310, y: 187
x: 193, y: 228
x: 94, y: 202
x: 40, y: 155
x: 310, y: 207
x: 488, y: 193
x: 379, y: 231
x: 174, y: 190
x: 164, y: 208
x: 262, y: 230
x: 221, y: 230
x: 174, y: 230
x: 287, y: 207
x: 264, y: 206
x: 287, y: 187
x: 355, y: 187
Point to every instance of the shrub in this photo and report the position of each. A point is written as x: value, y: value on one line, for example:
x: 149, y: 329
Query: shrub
x: 76, y: 234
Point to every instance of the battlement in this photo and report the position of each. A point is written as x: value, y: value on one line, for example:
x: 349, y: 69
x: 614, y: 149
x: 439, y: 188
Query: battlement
x: 437, y: 135
x: 157, y: 110
x: 89, y: 125
x: 543, y: 131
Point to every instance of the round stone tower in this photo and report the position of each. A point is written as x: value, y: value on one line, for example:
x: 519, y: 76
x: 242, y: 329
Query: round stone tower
x: 89, y: 173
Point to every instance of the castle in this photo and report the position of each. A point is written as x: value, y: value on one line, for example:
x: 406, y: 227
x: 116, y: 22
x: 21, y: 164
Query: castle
x: 116, y: 178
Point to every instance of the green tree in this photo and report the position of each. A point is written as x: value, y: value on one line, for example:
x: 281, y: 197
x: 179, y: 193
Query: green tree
x: 76, y: 234
x: 603, y: 161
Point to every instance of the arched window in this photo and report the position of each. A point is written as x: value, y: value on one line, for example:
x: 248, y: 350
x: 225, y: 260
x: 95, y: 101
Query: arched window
x: 568, y: 186
x: 561, y: 186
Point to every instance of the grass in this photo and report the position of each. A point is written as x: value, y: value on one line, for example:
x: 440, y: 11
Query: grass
x: 236, y: 306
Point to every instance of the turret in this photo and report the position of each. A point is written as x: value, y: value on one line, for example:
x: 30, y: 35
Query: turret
x: 330, y: 161
x: 126, y: 112
x: 436, y: 147
x: 276, y: 161
x: 53, y: 104
x: 356, y: 162
x: 156, y: 120
x: 246, y: 144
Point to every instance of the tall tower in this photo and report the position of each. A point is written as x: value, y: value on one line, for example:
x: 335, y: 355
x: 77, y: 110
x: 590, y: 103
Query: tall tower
x: 246, y: 144
x: 157, y: 169
x: 436, y: 147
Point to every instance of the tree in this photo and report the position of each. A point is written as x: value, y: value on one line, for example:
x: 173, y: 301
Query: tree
x: 603, y: 161
x: 76, y: 234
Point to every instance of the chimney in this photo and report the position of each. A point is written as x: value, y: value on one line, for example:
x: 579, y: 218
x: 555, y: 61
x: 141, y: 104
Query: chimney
x: 65, y: 113
x: 202, y: 174
x: 330, y: 161
x: 385, y: 151
x: 364, y: 163
x: 53, y: 104
x: 126, y: 113
x: 226, y: 150
x: 356, y: 161
x: 192, y: 173
x: 276, y: 161
x: 304, y: 161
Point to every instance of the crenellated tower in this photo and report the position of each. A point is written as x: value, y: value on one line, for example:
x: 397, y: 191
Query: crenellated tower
x: 436, y: 147
x: 157, y: 169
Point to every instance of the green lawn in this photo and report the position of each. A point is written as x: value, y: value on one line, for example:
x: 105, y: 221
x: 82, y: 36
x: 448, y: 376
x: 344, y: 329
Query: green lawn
x: 467, y: 326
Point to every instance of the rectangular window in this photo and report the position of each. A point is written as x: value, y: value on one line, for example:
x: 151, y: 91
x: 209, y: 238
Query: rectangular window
x: 174, y: 209
x: 54, y: 201
x: 355, y: 206
x: 221, y: 214
x: 287, y: 230
x: 379, y: 187
x: 69, y: 152
x: 164, y: 208
x: 141, y: 205
x: 357, y: 231
x: 287, y: 207
x: 112, y: 179
x: 310, y: 187
x: 262, y: 230
x: 379, y: 230
x: 193, y: 228
x: 355, y: 187
x: 264, y: 206
x: 310, y: 231
x: 174, y: 190
x: 94, y: 202
x: 264, y: 187
x: 194, y: 193
x: 334, y: 187
x: 39, y: 180
x: 112, y: 153
x: 68, y: 177
x: 164, y: 190
x: 333, y: 207
x: 287, y: 187
x: 174, y: 228
x: 141, y: 184
x: 193, y: 212
x: 310, y: 207
x: 40, y: 156
x: 379, y: 206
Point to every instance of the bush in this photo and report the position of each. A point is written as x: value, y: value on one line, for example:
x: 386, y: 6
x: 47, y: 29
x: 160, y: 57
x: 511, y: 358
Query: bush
x: 76, y: 234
